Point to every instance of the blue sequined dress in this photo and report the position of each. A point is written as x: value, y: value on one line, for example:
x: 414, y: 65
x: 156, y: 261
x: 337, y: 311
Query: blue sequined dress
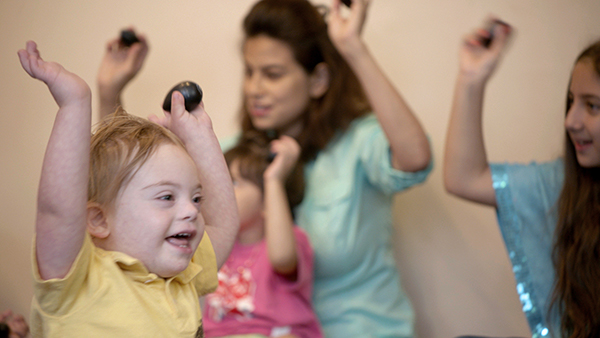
x: 527, y: 197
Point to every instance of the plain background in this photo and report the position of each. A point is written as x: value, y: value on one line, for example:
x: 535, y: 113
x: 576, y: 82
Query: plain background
x: 453, y: 262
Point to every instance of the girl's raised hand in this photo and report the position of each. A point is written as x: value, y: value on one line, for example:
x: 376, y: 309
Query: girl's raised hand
x: 287, y: 152
x: 477, y: 62
x: 120, y: 64
x: 66, y: 87
x: 345, y: 32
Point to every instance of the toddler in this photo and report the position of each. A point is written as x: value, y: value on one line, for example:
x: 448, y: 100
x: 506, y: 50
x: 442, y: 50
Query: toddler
x: 122, y: 248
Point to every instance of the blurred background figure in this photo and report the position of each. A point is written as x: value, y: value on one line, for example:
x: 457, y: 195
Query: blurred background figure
x: 13, y: 325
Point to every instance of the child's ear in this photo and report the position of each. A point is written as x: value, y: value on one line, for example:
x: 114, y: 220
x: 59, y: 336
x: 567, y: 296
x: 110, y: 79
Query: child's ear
x: 96, y: 221
x: 319, y: 81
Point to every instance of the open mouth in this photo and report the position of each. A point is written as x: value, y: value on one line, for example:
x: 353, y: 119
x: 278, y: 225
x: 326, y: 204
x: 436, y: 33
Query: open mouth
x: 258, y: 110
x: 581, y: 144
x: 181, y: 240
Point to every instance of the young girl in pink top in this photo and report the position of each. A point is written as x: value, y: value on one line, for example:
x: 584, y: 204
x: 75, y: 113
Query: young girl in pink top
x: 265, y: 287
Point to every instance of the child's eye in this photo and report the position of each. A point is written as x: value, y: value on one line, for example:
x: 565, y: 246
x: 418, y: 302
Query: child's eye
x: 197, y: 199
x: 166, y: 197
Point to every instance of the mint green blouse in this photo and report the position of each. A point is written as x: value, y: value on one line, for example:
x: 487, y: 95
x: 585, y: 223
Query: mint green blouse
x: 347, y: 212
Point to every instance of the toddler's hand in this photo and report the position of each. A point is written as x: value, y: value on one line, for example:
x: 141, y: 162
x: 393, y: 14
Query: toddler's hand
x: 66, y: 87
x: 188, y: 126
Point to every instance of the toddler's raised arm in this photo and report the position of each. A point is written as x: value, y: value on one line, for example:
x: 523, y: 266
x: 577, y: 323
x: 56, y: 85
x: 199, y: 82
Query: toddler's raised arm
x: 219, y: 207
x: 62, y: 194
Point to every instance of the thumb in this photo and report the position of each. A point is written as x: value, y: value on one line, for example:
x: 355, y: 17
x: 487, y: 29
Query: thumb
x: 177, y: 104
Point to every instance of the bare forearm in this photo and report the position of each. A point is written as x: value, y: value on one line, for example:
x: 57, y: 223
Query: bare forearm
x: 281, y: 242
x: 64, y: 177
x: 219, y: 207
x: 62, y: 194
x: 109, y: 101
x: 409, y: 144
x: 466, y: 169
x: 119, y: 66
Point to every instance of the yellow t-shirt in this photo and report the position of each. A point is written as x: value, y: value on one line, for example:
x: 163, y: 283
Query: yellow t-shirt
x: 110, y: 294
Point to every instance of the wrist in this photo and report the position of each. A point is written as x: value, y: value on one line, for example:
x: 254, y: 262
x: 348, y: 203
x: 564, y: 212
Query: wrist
x: 273, y: 181
x: 80, y: 97
x: 472, y: 81
x: 199, y: 139
x: 353, y: 50
x: 108, y: 93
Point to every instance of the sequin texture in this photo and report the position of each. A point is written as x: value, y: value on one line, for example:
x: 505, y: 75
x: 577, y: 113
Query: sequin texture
x: 511, y: 234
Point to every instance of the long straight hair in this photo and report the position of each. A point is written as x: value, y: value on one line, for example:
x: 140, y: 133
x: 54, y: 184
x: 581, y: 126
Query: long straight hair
x: 576, y: 251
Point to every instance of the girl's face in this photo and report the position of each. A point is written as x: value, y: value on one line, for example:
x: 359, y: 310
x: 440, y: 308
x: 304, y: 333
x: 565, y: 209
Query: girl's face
x: 583, y: 118
x: 249, y: 199
x: 276, y: 87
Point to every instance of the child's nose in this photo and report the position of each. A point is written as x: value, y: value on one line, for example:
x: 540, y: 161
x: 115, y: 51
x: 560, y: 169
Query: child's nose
x: 189, y: 211
x: 573, y: 120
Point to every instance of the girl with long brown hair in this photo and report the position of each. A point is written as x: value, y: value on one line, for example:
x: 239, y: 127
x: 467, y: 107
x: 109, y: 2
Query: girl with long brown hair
x: 549, y: 213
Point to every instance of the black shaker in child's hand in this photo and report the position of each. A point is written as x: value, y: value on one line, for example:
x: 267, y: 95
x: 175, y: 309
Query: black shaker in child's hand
x: 192, y: 93
x: 128, y: 37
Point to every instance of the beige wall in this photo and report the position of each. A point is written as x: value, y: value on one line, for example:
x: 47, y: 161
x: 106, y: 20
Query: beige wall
x: 453, y: 261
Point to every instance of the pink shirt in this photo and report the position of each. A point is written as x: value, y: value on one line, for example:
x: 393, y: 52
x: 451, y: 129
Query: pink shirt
x: 253, y: 298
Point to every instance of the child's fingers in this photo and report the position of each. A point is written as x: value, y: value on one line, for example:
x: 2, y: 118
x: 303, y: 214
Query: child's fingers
x: 177, y: 105
x: 24, y: 59
x: 143, y: 40
x: 358, y: 13
x: 335, y: 7
x: 199, y: 109
x: 502, y: 33
x: 482, y: 33
x: 31, y: 47
x: 29, y: 62
x: 287, y: 146
x: 30, y: 58
x: 160, y: 121
x: 112, y: 45
x: 5, y: 314
x: 476, y: 37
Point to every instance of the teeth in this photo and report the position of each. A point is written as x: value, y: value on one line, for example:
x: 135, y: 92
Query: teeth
x: 180, y: 240
x: 184, y: 235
